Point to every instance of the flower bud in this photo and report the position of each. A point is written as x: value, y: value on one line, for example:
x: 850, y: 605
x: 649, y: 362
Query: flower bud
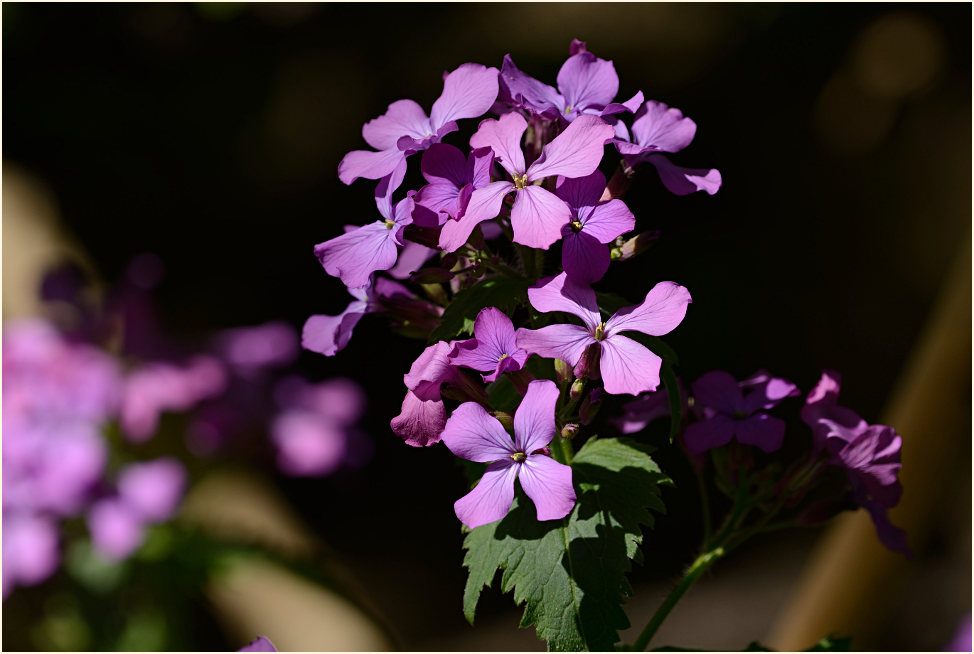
x: 577, y: 387
x: 564, y: 372
x: 636, y: 245
x: 588, y: 365
x: 570, y: 430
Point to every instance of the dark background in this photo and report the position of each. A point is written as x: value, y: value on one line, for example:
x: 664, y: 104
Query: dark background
x: 210, y: 134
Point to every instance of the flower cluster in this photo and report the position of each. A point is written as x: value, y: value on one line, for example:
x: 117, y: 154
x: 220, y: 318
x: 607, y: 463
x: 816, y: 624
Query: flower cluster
x: 474, y: 239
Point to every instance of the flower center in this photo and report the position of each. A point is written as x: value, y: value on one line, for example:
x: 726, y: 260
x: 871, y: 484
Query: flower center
x: 569, y: 109
x: 600, y: 332
x: 576, y: 226
x: 519, y: 457
x: 503, y: 356
x: 390, y: 223
x: 520, y: 181
x: 739, y: 415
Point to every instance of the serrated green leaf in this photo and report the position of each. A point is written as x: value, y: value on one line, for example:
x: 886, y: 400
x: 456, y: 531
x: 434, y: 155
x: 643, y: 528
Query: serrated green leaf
x: 505, y: 293
x: 570, y: 573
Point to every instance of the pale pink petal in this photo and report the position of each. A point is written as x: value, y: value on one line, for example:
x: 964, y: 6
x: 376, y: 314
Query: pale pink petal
x: 631, y: 105
x: 663, y: 309
x: 468, y: 92
x: 549, y: 485
x: 565, y: 342
x: 534, y: 420
x: 522, y: 90
x: 431, y: 369
x: 559, y: 293
x: 403, y: 118
x: 473, y: 434
x: 330, y: 334
x: 537, y: 217
x: 368, y: 164
x: 576, y: 152
x: 308, y: 444
x: 608, y: 221
x: 683, y: 181
x: 491, y: 499
x: 628, y: 367
x: 503, y: 136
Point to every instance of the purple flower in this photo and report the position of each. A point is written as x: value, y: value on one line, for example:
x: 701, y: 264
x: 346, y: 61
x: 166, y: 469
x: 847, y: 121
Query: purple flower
x: 647, y: 408
x: 593, y: 224
x: 869, y: 454
x: 116, y: 529
x: 153, y: 489
x: 961, y: 642
x: 473, y: 434
x: 657, y: 128
x: 158, y: 387
x: 537, y: 215
x: 452, y: 178
x: 727, y: 413
x: 30, y: 550
x: 250, y: 350
x: 626, y: 366
x: 493, y: 348
x: 468, y: 92
x: 586, y: 85
x: 423, y: 414
x: 314, y: 432
x: 260, y: 644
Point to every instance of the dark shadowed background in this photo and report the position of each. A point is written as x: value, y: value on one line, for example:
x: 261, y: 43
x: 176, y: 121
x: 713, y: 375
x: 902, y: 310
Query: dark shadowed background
x: 210, y: 134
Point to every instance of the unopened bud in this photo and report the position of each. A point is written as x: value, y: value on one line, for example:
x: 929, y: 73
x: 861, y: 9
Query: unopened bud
x: 564, y: 371
x: 577, y: 387
x: 588, y: 365
x: 634, y: 246
x: 504, y: 418
x: 434, y: 275
x: 570, y: 430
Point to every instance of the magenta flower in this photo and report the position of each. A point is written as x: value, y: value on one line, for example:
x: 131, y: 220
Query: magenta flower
x: 586, y: 85
x: 251, y: 350
x: 423, y: 415
x: 657, y: 128
x: 473, y: 434
x: 493, y: 348
x: 468, y: 92
x: 647, y: 408
x: 869, y: 454
x: 593, y: 224
x: 537, y: 215
x: 117, y: 531
x: 626, y: 366
x: 30, y: 550
x: 727, y: 413
x: 260, y: 644
x: 452, y: 178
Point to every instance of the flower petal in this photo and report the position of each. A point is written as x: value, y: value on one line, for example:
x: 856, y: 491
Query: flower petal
x: 485, y: 204
x: 565, y: 342
x: 683, y: 181
x: 473, y: 434
x: 760, y: 430
x: 587, y: 81
x: 368, y: 164
x: 468, y: 92
x: 431, y: 369
x: 708, y: 434
x: 420, y: 422
x: 583, y: 257
x: 328, y: 335
x: 581, y: 191
x: 576, y: 152
x: 521, y: 90
x: 402, y: 118
x: 444, y: 163
x: 491, y: 499
x: 662, y: 128
x: 608, y: 221
x: 628, y: 367
x: 561, y: 294
x: 534, y: 420
x: 503, y: 136
x: 663, y: 309
x: 355, y: 255
x: 537, y: 217
x: 549, y: 485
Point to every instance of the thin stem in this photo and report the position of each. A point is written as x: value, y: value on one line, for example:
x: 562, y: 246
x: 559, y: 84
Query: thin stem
x: 697, y: 568
x: 704, y: 507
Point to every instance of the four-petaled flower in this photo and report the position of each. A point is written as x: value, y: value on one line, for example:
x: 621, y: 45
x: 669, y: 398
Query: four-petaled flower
x: 626, y: 366
x: 473, y: 434
x: 537, y: 215
x: 728, y: 413
x: 493, y: 348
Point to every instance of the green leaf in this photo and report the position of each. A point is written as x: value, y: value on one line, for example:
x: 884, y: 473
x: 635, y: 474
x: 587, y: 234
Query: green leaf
x: 570, y: 573
x: 505, y: 293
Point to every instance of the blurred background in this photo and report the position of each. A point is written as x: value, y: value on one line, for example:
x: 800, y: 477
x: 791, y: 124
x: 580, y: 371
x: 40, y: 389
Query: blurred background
x: 207, y: 136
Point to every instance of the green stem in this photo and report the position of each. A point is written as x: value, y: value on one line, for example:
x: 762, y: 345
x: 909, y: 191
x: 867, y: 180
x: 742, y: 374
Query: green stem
x: 704, y: 507
x: 697, y: 568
